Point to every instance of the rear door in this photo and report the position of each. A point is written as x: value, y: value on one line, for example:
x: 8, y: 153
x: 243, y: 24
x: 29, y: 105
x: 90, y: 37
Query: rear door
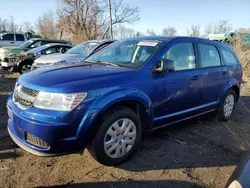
x: 215, y: 74
x: 19, y: 39
x: 7, y: 39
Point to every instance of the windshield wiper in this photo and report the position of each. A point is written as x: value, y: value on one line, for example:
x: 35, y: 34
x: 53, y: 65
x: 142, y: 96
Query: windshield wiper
x: 107, y: 63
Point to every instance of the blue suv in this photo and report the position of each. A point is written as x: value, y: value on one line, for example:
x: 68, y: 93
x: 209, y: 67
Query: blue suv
x: 134, y: 85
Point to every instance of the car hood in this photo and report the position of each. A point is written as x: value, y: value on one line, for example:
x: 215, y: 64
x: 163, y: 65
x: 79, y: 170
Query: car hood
x: 75, y: 77
x: 16, y: 51
x: 54, y: 58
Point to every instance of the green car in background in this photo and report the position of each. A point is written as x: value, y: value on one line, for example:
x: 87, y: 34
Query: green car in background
x: 22, y: 48
x: 225, y: 38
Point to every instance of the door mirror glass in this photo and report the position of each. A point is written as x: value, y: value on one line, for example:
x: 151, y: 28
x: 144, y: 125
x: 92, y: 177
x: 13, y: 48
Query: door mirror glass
x: 165, y: 65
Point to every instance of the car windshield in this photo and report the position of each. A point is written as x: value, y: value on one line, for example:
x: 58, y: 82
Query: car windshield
x: 26, y: 44
x: 83, y: 48
x: 126, y: 53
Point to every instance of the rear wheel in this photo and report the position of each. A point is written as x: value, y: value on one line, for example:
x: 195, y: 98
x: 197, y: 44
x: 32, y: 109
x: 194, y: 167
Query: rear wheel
x: 117, y: 138
x: 227, y: 106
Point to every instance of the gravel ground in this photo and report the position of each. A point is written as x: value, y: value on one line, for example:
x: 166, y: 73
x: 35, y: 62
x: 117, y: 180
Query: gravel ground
x: 202, y: 152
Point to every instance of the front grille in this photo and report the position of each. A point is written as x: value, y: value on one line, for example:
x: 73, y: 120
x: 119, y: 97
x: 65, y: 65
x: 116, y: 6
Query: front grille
x: 29, y: 91
x: 36, y: 141
x: 23, y: 102
x: 24, y: 97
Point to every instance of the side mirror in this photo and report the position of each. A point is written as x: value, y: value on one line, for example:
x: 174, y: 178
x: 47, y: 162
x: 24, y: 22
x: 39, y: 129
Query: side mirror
x: 166, y: 65
x: 49, y: 52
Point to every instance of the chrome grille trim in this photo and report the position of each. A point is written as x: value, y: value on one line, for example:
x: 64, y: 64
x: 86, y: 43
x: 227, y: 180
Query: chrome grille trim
x: 29, y: 91
x: 36, y: 141
x: 24, y: 97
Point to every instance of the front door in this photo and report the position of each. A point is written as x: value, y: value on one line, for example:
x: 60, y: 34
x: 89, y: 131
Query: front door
x: 183, y: 86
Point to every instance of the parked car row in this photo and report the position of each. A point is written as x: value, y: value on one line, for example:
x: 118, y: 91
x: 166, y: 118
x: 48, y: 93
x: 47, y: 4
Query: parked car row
x: 21, y: 59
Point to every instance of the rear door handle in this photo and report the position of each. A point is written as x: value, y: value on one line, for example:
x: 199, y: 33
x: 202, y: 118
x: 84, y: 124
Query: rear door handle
x: 196, y: 77
x: 12, y: 42
x: 224, y: 73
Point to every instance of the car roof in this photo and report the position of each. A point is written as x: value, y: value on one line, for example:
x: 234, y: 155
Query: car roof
x: 40, y: 48
x: 54, y: 40
x: 172, y: 38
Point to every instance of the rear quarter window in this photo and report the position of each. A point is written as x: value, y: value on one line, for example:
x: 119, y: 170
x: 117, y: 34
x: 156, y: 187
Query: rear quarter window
x: 228, y: 57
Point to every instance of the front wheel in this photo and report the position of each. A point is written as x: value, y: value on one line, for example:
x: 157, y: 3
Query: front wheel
x: 227, y: 106
x: 24, y: 67
x: 117, y: 138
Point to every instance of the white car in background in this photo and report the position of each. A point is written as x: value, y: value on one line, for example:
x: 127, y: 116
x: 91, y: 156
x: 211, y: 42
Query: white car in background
x: 10, y: 40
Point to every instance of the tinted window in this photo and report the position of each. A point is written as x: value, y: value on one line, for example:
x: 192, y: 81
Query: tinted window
x: 209, y: 56
x: 8, y: 37
x: 182, y: 55
x: 19, y: 37
x: 51, y: 49
x: 228, y: 57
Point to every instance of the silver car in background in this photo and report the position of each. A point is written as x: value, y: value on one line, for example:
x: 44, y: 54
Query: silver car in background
x: 76, y: 54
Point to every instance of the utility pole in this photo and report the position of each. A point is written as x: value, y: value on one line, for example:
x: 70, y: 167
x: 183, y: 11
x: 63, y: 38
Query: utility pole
x: 110, y: 20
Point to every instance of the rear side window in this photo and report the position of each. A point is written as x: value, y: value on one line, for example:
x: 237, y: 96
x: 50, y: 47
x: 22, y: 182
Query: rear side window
x: 8, y: 37
x: 19, y: 37
x: 209, y: 56
x: 228, y: 57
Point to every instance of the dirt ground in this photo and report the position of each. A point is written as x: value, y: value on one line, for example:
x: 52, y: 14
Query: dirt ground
x: 202, y: 152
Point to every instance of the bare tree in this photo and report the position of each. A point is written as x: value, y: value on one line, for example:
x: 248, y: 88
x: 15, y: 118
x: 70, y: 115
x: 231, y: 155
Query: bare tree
x: 27, y: 27
x: 169, y: 31
x: 121, y: 32
x: 12, y: 26
x: 194, y: 31
x: 150, y: 32
x: 87, y: 19
x: 243, y: 30
x: 46, y: 25
x: 221, y: 26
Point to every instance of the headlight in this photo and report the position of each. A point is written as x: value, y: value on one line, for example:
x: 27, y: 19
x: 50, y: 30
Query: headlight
x: 59, y: 63
x: 58, y: 101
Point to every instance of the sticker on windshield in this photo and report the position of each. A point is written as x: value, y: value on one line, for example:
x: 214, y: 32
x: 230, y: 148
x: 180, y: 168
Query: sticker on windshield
x: 147, y: 43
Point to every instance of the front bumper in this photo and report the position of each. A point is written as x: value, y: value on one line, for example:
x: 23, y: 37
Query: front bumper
x: 64, y: 132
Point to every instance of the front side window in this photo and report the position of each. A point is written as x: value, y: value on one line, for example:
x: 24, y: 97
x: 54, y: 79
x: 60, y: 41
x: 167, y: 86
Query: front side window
x: 228, y: 57
x: 182, y: 56
x: 52, y: 50
x: 8, y: 37
x: 209, y: 56
x: 127, y: 53
x: 19, y: 37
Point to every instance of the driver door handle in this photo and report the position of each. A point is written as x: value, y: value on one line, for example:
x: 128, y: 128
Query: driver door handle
x: 196, y: 77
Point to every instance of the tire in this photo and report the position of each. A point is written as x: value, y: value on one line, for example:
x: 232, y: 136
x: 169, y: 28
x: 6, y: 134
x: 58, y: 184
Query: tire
x: 24, y: 67
x: 222, y: 112
x: 116, y: 156
x: 11, y: 69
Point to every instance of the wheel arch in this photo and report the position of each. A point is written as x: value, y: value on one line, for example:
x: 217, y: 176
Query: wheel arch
x: 131, y: 98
